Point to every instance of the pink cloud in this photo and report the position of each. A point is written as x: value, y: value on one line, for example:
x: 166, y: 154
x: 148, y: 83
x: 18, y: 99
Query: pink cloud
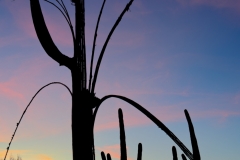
x: 9, y: 40
x: 166, y: 114
x: 58, y: 28
x: 221, y: 115
x: 113, y: 150
x: 7, y: 89
x: 12, y: 88
x: 44, y: 157
x: 236, y: 99
x: 143, y: 90
x: 5, y: 135
x: 60, y: 31
x: 19, y: 12
x: 134, y: 118
x: 15, y: 94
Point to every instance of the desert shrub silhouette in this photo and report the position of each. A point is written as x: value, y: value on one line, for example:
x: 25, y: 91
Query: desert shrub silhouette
x: 12, y: 158
x: 84, y: 102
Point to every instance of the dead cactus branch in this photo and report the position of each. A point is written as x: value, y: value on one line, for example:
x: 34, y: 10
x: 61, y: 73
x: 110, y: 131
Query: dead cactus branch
x: 106, y: 43
x: 27, y: 108
x: 94, y: 45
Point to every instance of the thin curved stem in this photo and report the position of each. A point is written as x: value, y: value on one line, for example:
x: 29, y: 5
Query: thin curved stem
x: 27, y: 108
x: 94, y: 44
x: 106, y: 43
x: 59, y: 10
x: 151, y: 117
x: 65, y: 16
x: 63, y: 7
x: 69, y: 19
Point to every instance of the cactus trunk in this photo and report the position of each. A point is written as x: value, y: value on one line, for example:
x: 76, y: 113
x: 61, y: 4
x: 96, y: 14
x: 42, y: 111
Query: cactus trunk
x: 82, y: 130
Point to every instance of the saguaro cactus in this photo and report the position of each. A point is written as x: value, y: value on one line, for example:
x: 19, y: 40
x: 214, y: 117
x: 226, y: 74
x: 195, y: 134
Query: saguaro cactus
x: 83, y: 98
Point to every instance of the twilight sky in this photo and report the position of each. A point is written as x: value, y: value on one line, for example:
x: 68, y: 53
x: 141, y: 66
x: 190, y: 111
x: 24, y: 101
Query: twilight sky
x: 167, y: 55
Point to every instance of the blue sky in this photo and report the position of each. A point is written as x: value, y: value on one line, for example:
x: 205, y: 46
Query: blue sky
x: 166, y: 55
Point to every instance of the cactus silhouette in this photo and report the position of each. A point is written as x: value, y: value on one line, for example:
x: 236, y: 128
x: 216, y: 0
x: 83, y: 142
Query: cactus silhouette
x: 103, y: 155
x: 139, y: 155
x: 84, y: 102
x: 174, y: 152
x: 123, y: 146
x: 109, y: 157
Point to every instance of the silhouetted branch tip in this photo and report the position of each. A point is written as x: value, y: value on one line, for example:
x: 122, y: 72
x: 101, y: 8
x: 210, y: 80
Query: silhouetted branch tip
x: 174, y: 152
x: 139, y: 156
x: 103, y: 155
x: 109, y: 157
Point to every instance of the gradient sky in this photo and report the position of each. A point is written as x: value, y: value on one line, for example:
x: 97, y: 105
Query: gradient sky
x: 167, y: 55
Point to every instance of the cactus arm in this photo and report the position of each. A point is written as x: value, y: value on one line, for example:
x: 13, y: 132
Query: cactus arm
x: 174, y: 152
x: 105, y: 45
x: 122, y: 136
x: 109, y: 157
x: 150, y: 116
x: 44, y: 36
x: 196, y: 153
x: 139, y: 155
x: 103, y: 155
x: 94, y: 44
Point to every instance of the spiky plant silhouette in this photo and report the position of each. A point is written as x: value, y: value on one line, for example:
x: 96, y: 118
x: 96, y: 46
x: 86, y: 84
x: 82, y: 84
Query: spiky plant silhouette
x: 84, y: 103
x: 12, y: 158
